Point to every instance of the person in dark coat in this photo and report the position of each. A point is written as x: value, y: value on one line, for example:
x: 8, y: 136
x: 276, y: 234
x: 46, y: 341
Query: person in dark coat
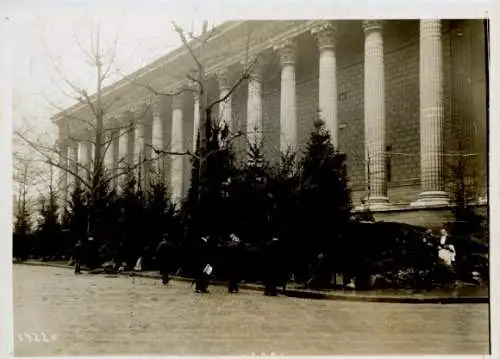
x: 78, y: 256
x: 164, y: 256
x: 272, y: 267
x: 319, y: 278
x: 92, y: 257
x: 203, y: 267
x: 235, y: 257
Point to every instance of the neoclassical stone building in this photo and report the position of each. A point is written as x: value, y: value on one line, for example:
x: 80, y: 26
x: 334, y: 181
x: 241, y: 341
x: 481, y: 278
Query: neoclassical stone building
x: 401, y: 98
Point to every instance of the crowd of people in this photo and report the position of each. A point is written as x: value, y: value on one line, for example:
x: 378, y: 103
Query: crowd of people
x: 403, y: 256
x: 167, y: 259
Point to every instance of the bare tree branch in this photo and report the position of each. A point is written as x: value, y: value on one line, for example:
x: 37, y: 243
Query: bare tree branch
x: 186, y: 44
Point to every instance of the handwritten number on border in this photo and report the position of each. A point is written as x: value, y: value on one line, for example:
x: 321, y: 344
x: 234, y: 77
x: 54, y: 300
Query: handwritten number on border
x: 36, y: 337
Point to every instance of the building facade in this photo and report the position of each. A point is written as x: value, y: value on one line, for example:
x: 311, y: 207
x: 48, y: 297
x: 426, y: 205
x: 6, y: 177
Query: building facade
x: 403, y: 99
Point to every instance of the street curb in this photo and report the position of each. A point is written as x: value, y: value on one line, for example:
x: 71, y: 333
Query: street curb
x: 304, y: 293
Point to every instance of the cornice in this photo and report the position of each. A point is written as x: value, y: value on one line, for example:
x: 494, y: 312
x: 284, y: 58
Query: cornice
x: 148, y: 69
x: 211, y: 70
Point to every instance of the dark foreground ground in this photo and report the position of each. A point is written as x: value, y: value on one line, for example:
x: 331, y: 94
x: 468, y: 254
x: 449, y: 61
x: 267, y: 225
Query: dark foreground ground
x: 105, y: 315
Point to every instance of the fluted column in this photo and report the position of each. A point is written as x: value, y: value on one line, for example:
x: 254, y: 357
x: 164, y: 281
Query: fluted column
x: 73, y: 166
x: 108, y: 154
x: 254, y: 103
x: 131, y: 144
x: 196, y: 119
x: 224, y: 80
x: 431, y: 115
x: 375, y: 115
x: 325, y: 33
x: 139, y: 142
x: 288, y: 110
x: 115, y: 156
x: 84, y: 160
x: 92, y: 158
x: 177, y: 146
x: 62, y: 145
x: 147, y: 128
x: 111, y: 155
x: 157, y: 137
x: 124, y: 160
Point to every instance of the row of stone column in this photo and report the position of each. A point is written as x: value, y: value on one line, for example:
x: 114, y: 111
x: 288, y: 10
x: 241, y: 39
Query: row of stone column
x: 431, y: 115
x: 325, y: 32
x: 431, y: 105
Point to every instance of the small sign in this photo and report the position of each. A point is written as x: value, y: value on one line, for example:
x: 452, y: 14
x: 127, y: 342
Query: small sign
x: 208, y: 269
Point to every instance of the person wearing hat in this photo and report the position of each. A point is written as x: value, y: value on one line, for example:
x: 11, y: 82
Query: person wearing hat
x: 78, y: 256
x: 235, y: 257
x: 164, y: 256
x: 272, y: 268
x: 91, y: 253
x: 204, y: 269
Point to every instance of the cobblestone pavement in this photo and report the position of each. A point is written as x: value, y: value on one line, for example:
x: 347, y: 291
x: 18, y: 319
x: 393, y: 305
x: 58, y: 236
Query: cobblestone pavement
x: 104, y: 315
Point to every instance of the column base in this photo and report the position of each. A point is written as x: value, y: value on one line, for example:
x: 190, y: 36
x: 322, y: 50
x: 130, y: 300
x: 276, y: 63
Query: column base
x: 431, y: 199
x: 378, y: 203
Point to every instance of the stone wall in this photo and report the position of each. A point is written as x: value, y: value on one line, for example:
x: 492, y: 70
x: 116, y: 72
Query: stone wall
x: 464, y: 99
x: 401, y: 57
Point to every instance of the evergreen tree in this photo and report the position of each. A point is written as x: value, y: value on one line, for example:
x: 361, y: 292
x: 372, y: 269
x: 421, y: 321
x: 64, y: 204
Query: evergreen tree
x: 209, y: 214
x: 23, y: 222
x: 469, y: 229
x: 251, y: 202
x: 49, y: 229
x: 22, y: 230
x: 77, y: 214
x: 190, y: 205
x: 325, y: 203
x: 283, y: 189
x: 103, y: 208
x: 130, y: 208
x: 161, y: 217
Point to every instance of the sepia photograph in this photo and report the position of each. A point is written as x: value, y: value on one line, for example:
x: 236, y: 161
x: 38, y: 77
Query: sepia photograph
x: 185, y: 185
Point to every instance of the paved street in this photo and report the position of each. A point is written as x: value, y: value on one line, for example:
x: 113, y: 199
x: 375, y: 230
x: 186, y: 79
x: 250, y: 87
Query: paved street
x: 103, y: 315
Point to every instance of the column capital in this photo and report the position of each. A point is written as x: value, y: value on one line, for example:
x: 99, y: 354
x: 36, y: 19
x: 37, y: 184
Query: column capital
x: 123, y: 118
x: 177, y: 100
x: 137, y: 111
x: 254, y: 66
x: 287, y: 52
x: 110, y: 122
x: 61, y: 144
x: 325, y: 33
x: 108, y: 135
x: 155, y: 102
x: 370, y: 26
x: 73, y: 143
x: 193, y: 84
x: 429, y: 27
x: 87, y: 133
x: 63, y: 129
x: 223, y: 78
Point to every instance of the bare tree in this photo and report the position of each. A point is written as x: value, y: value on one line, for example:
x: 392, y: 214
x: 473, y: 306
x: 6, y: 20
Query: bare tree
x: 28, y: 174
x: 461, y: 172
x: 206, y: 107
x: 91, y: 116
x: 90, y: 112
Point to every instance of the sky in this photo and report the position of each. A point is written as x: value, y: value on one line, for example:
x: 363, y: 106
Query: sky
x: 48, y: 46
x: 49, y: 49
x: 44, y: 34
